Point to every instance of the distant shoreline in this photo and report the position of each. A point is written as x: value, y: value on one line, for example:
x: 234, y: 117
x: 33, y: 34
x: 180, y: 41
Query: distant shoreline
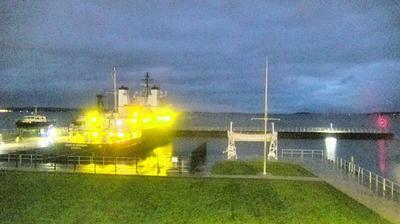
x: 64, y: 109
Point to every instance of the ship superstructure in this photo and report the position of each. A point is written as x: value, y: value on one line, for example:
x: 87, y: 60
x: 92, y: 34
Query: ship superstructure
x: 131, y: 118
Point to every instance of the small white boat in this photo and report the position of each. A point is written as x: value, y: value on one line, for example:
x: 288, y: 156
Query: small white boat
x: 33, y: 121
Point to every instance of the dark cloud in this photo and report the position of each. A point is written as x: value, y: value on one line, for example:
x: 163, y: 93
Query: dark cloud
x: 210, y: 56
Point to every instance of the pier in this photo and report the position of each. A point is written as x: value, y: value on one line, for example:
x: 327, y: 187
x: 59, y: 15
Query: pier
x: 289, y: 133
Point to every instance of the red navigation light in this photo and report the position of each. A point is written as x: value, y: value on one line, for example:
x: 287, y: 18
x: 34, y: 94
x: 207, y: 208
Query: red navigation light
x: 382, y: 122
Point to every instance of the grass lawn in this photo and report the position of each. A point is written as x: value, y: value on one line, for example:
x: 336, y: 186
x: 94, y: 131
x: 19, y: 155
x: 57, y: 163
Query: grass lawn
x: 254, y: 167
x: 72, y: 198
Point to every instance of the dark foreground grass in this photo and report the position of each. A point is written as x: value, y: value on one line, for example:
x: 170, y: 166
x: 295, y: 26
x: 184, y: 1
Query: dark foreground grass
x: 69, y: 198
x: 254, y: 167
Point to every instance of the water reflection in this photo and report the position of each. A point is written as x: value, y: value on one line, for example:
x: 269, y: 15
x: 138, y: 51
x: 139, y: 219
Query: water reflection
x: 383, y: 147
x: 330, y: 144
x: 158, y: 163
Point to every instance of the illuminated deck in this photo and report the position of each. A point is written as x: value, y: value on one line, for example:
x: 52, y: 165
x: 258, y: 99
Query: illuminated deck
x: 289, y: 133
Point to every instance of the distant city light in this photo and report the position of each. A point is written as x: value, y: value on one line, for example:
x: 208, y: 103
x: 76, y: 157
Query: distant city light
x: 5, y: 111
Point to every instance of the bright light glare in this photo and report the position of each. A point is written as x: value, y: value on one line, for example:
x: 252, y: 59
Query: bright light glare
x: 119, y: 122
x: 43, y: 142
x: 330, y: 143
x: 52, y: 133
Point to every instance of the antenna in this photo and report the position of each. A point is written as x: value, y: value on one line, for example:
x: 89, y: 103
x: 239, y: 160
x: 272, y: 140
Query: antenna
x: 147, y: 81
x: 266, y: 94
x: 114, y: 78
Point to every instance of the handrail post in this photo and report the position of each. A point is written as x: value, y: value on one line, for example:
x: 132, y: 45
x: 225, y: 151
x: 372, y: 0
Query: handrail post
x: 392, y: 189
x: 312, y: 154
x: 376, y: 183
x: 370, y: 179
x: 384, y: 187
x: 362, y: 175
x: 136, y: 165
x: 115, y: 165
x: 158, y: 166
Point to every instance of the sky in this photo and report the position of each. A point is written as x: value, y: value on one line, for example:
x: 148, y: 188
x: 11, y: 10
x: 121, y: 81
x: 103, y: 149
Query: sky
x: 324, y: 56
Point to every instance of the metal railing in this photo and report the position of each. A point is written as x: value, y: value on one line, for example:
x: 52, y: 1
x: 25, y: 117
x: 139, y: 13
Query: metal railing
x: 154, y: 166
x: 379, y: 185
x: 301, y: 153
x: 282, y: 129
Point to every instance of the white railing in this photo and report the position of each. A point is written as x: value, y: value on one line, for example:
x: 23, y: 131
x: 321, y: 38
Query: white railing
x: 301, y: 153
x: 377, y: 184
x: 280, y: 129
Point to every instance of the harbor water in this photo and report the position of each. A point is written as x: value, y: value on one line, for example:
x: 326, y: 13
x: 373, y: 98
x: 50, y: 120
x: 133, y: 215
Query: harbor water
x: 381, y: 156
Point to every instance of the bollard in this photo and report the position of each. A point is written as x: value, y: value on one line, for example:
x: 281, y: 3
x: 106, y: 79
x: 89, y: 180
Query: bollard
x: 376, y: 183
x: 312, y: 154
x: 94, y: 168
x: 79, y: 160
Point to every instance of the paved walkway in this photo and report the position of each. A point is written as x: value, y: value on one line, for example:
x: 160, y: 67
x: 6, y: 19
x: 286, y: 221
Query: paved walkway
x: 386, y: 208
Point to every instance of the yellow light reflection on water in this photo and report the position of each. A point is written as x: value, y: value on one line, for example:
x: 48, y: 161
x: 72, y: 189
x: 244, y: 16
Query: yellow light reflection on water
x: 158, y: 163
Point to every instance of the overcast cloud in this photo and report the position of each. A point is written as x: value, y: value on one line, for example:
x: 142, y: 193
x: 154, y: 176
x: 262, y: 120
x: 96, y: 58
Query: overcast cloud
x: 325, y: 56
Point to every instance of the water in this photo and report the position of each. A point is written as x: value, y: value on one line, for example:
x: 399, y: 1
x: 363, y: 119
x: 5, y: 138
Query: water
x: 381, y: 156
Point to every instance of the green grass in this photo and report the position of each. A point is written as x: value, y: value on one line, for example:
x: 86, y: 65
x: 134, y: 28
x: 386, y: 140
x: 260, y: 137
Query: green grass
x: 254, y: 167
x: 72, y: 198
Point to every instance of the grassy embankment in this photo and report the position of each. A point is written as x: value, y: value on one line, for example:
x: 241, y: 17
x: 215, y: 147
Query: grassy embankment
x: 255, y: 167
x: 72, y: 198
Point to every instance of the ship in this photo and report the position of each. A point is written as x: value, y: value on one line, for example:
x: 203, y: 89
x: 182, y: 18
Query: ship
x: 33, y: 121
x: 140, y: 118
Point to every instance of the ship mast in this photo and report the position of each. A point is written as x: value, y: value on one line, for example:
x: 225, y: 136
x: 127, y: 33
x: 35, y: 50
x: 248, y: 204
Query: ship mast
x: 114, y: 78
x: 147, y: 81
